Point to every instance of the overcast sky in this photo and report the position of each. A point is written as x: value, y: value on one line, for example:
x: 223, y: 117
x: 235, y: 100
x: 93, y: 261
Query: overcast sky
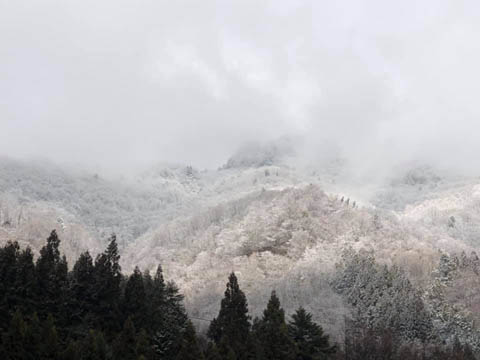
x: 116, y: 83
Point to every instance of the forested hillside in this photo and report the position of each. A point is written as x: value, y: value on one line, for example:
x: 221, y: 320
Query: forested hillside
x: 93, y: 311
x: 302, y: 232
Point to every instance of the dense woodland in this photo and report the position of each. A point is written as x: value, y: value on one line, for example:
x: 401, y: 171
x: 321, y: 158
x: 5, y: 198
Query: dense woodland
x: 93, y: 311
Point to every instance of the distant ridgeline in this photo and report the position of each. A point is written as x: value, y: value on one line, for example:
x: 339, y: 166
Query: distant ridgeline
x: 95, y: 312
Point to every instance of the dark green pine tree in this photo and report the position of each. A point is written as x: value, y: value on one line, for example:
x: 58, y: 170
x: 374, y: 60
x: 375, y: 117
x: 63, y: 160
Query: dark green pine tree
x: 134, y: 301
x: 211, y: 353
x: 157, y: 295
x: 62, y: 315
x: 71, y: 352
x: 50, y: 347
x: 215, y: 331
x: 170, y: 317
x: 82, y: 291
x: 8, y: 260
x: 189, y: 349
x: 125, y: 346
x: 156, y: 305
x: 143, y: 347
x: 13, y: 341
x: 254, y: 345
x: 107, y: 289
x: 33, y: 337
x: 95, y: 347
x: 272, y: 332
x: 232, y: 326
x: 148, y: 287
x: 312, y: 343
x: 25, y: 288
x: 52, y: 273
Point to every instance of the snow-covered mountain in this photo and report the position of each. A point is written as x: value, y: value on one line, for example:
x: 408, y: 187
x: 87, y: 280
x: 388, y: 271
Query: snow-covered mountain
x: 278, y: 223
x: 43, y: 193
x: 290, y: 240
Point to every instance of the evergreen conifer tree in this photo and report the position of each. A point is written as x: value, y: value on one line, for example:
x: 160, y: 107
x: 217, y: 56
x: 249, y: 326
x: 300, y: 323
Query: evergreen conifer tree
x: 134, y: 298
x: 125, y: 347
x: 107, y: 288
x: 8, y: 260
x: 52, y: 272
x: 211, y: 353
x: 13, y: 340
x: 232, y: 326
x: 33, y: 337
x: 81, y: 299
x: 159, y: 287
x: 172, y: 322
x: 149, y: 321
x: 312, y: 343
x: 71, y: 352
x: 50, y: 347
x: 254, y: 345
x: 143, y: 347
x: 273, y: 334
x: 25, y: 287
x: 189, y: 349
x: 95, y: 347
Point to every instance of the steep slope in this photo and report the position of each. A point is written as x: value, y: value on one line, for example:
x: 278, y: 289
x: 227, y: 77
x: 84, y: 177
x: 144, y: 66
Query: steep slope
x: 102, y: 206
x: 289, y: 240
x: 30, y: 223
x: 456, y: 211
x: 128, y: 207
x: 261, y: 217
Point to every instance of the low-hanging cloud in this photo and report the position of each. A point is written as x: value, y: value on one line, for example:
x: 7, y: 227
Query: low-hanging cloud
x: 121, y: 83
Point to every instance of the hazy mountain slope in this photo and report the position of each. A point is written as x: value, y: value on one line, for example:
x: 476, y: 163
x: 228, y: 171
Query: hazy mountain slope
x: 414, y: 184
x: 101, y: 206
x: 289, y: 240
x: 127, y: 207
x: 263, y: 221
x: 30, y: 223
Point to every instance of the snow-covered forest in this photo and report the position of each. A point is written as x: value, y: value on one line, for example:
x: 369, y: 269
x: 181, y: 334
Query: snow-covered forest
x: 239, y: 180
x: 401, y: 257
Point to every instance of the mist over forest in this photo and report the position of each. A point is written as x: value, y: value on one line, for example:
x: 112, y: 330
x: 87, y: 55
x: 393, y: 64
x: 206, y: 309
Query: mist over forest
x: 239, y: 180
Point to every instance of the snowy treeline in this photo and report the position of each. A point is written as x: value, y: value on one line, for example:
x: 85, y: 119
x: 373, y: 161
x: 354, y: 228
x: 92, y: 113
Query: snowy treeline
x: 266, y: 224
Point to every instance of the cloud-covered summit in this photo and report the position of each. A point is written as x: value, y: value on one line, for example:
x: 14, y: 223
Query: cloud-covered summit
x: 120, y: 84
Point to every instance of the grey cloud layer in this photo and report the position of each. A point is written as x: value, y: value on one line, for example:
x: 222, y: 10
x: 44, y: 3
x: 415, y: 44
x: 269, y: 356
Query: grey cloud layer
x: 120, y: 83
